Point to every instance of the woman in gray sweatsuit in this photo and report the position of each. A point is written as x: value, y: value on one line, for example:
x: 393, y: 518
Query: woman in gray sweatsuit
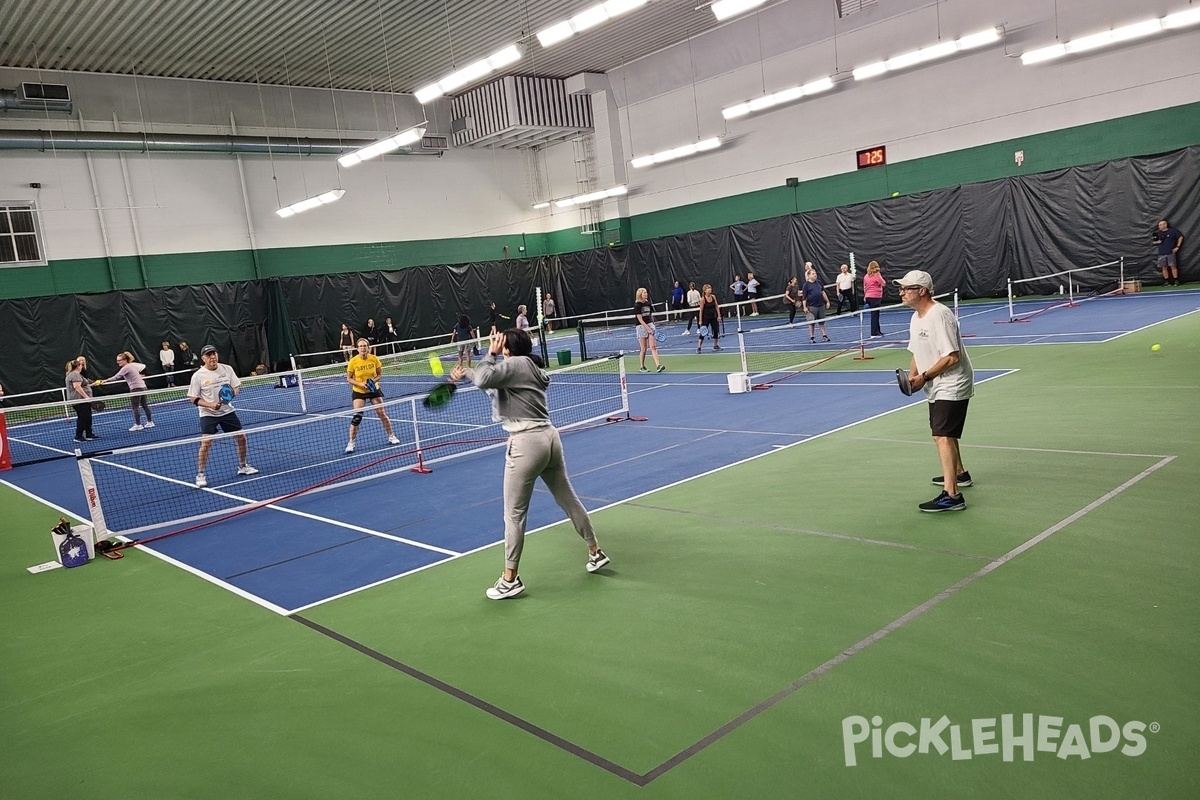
x: 534, y: 449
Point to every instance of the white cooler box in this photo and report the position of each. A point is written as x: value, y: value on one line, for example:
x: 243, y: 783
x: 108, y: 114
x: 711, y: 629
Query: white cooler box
x: 739, y: 383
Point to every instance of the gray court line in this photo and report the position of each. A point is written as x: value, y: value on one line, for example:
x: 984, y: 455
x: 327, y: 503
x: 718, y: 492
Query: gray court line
x: 812, y: 675
x: 481, y: 704
x: 894, y: 625
x: 821, y: 534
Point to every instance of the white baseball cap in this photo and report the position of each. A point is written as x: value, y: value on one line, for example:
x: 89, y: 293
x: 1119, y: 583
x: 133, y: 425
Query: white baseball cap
x: 916, y: 277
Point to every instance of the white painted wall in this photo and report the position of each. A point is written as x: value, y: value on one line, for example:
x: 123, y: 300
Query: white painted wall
x: 966, y: 101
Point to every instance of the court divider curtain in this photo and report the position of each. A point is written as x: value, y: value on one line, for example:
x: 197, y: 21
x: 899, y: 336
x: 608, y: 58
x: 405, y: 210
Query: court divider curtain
x: 973, y: 237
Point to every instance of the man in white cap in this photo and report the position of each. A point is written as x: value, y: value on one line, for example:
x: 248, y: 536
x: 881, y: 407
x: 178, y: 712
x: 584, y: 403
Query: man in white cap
x: 941, y: 368
x: 212, y: 390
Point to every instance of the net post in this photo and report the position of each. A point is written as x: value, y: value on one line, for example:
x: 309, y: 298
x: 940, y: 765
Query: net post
x: 1011, y: 314
x: 1121, y: 276
x: 862, y: 348
x: 300, y: 384
x: 67, y: 406
x: 1070, y: 290
x: 956, y: 302
x: 420, y: 468
x: 92, y: 495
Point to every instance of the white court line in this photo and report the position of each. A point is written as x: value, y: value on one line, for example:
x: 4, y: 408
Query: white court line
x: 45, y: 502
x: 616, y: 503
x: 1018, y: 449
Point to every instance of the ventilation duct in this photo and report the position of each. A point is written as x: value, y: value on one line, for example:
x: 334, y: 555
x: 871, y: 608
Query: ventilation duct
x: 520, y: 112
x: 44, y: 141
x: 37, y: 97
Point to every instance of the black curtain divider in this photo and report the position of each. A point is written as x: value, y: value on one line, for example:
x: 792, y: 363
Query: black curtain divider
x: 974, y: 238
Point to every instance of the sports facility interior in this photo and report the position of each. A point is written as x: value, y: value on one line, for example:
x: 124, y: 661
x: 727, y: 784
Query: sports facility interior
x: 779, y: 619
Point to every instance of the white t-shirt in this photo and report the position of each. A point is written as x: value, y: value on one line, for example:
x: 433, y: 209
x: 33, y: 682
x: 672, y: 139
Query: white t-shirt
x: 206, y: 384
x: 845, y: 281
x: 693, y: 297
x: 167, y: 357
x: 933, y: 336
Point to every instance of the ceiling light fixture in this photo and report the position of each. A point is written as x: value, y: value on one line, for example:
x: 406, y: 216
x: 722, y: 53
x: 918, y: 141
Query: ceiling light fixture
x: 724, y: 9
x: 590, y: 197
x: 386, y: 145
x: 778, y: 98
x: 586, y: 19
x: 468, y: 74
x: 678, y: 152
x: 931, y: 53
x: 312, y: 202
x: 1125, y: 33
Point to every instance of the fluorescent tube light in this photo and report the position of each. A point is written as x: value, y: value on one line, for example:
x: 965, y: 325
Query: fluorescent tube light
x: 724, y: 9
x: 324, y: 198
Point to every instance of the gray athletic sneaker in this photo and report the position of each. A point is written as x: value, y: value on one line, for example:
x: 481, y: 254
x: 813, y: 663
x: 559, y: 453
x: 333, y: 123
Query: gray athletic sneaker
x: 503, y: 589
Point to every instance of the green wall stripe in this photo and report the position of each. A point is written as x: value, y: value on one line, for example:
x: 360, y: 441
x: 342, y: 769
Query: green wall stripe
x: 1140, y: 134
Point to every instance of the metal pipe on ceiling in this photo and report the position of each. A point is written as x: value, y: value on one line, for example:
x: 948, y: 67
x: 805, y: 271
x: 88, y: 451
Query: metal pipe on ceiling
x: 43, y: 141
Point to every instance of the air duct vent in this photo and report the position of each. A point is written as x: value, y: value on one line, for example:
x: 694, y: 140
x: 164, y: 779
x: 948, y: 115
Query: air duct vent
x: 37, y: 97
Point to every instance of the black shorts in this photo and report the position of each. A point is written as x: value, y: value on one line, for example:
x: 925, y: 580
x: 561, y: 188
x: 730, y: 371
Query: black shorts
x: 356, y: 395
x: 947, y: 418
x: 226, y: 422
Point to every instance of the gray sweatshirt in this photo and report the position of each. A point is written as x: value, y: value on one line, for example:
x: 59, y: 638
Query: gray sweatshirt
x: 520, y: 387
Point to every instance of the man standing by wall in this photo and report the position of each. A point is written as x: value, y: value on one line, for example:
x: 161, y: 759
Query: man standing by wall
x: 1169, y: 241
x: 941, y: 368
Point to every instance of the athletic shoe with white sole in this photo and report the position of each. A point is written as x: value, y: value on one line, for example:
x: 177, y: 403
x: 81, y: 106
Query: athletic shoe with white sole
x: 964, y: 479
x: 945, y: 502
x: 135, y: 428
x: 393, y: 440
x: 201, y: 481
x: 503, y: 589
x: 149, y: 424
x: 349, y: 447
x: 661, y: 368
x: 246, y: 469
x: 597, y: 560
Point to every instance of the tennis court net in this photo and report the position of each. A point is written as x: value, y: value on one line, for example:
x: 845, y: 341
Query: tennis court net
x: 1067, y: 288
x: 135, y: 491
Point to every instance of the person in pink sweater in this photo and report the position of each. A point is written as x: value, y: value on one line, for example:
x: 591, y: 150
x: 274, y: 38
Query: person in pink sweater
x: 873, y: 284
x: 131, y: 373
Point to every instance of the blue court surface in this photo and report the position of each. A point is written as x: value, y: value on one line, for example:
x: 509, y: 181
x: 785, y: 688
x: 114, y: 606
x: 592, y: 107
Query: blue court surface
x: 320, y: 545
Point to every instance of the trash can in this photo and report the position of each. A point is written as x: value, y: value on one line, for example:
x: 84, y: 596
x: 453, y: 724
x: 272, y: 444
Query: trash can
x: 739, y: 383
x: 564, y: 357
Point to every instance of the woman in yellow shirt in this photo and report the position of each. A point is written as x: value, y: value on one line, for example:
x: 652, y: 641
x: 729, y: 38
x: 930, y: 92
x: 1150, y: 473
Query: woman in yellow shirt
x: 363, y: 374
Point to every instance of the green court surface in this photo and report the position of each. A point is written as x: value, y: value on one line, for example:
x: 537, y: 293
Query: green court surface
x: 750, y: 616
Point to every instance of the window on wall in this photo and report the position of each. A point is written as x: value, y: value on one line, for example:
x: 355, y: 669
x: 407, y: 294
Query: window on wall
x: 20, y: 239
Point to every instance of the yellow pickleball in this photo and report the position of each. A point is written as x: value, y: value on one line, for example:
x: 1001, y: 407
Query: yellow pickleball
x: 1156, y: 347
x: 435, y: 365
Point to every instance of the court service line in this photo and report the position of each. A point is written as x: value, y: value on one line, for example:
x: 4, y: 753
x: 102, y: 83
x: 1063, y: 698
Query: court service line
x: 1018, y: 449
x: 821, y: 534
x: 894, y: 625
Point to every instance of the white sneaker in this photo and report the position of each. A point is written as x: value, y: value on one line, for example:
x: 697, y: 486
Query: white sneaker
x: 349, y: 447
x: 597, y: 561
x: 136, y: 428
x: 755, y: 314
x: 506, y: 589
x: 246, y: 469
x: 148, y: 425
x: 201, y: 481
x: 686, y: 333
x: 393, y: 440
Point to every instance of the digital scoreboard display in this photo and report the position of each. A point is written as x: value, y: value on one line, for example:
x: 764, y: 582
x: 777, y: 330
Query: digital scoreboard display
x: 872, y: 157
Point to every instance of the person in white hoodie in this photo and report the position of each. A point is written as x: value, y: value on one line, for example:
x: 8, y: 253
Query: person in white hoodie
x: 534, y: 449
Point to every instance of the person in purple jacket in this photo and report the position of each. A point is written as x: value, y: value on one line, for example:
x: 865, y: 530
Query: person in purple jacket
x: 131, y: 373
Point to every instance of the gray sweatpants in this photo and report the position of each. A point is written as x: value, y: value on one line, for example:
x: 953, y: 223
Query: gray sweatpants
x: 531, y: 454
